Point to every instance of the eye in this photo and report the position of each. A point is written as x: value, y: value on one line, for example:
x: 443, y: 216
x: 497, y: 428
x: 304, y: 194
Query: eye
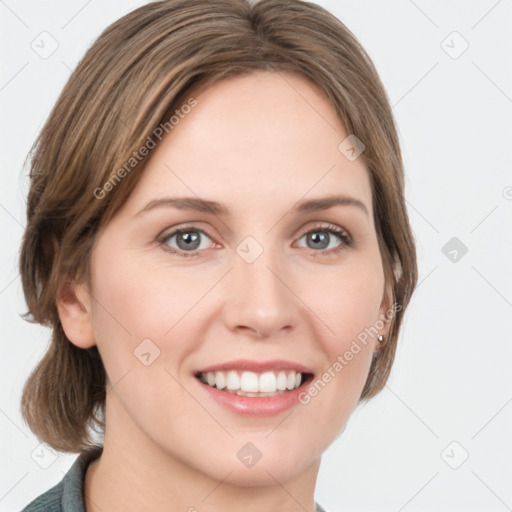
x: 325, y: 239
x: 188, y: 241
x: 185, y: 240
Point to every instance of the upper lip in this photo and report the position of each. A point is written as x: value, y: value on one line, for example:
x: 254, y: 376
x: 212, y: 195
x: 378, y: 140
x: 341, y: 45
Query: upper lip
x: 257, y: 366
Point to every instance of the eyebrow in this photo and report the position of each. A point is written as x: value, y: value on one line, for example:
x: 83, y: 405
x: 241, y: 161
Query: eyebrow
x: 215, y: 208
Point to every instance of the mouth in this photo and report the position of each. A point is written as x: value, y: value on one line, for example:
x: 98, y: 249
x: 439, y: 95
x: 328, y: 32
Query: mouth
x: 255, y: 388
x: 255, y: 384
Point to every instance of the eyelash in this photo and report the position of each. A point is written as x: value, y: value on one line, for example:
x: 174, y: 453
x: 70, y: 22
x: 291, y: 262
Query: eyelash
x: 329, y: 228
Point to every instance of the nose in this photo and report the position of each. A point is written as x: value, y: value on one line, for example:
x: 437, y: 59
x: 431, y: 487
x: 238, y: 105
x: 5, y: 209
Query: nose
x: 259, y: 299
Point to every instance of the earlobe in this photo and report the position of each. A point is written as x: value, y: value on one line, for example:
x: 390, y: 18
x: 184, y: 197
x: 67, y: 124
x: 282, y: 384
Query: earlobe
x: 74, y: 307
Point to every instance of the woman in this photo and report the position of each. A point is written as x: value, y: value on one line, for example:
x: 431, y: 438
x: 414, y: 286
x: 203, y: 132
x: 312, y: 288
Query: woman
x: 217, y: 235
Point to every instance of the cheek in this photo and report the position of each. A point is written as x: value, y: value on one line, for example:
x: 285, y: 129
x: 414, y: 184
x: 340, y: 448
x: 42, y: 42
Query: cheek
x: 148, y: 313
x: 139, y: 300
x: 348, y: 299
x: 135, y: 307
x: 349, y: 308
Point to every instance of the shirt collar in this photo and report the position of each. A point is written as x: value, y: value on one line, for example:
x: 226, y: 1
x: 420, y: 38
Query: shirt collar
x: 73, y: 482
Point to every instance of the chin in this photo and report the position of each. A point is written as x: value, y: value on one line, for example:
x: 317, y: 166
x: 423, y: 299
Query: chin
x: 253, y: 467
x: 261, y: 474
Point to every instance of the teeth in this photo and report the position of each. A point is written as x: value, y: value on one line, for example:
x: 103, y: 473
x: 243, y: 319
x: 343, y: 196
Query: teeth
x: 267, y: 382
x: 251, y: 383
x: 220, y: 380
x: 281, y: 381
x: 233, y: 380
x: 290, y: 381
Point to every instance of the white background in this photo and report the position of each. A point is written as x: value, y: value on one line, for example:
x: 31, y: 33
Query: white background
x: 451, y: 380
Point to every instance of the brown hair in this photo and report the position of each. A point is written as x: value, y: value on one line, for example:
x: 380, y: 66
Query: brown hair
x: 131, y: 80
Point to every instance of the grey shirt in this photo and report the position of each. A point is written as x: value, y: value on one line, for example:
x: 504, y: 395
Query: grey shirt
x: 68, y: 494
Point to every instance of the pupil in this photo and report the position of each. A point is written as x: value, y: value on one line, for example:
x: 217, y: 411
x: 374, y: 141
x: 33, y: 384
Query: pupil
x: 320, y: 237
x: 190, y: 239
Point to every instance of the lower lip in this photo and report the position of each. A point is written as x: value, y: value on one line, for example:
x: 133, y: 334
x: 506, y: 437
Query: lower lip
x: 256, y: 406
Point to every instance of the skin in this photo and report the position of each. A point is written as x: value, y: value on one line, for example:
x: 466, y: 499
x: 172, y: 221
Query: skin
x: 257, y: 144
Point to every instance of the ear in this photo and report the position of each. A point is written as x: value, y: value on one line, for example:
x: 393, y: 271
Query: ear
x: 74, y: 307
x: 386, y: 310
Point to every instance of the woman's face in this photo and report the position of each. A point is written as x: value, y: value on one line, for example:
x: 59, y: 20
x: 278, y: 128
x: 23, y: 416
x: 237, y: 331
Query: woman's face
x: 257, y: 285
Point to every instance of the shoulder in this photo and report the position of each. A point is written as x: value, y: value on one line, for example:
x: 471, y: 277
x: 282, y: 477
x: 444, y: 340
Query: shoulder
x: 67, y: 495
x: 50, y: 501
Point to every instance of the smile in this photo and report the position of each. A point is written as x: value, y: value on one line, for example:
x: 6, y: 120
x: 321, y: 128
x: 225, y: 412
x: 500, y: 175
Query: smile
x: 247, y: 383
x: 255, y: 388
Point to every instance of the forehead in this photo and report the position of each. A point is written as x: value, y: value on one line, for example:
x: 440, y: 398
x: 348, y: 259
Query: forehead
x: 259, y: 139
